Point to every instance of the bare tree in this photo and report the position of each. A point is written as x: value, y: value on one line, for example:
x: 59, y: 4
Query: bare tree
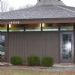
x: 3, y: 5
x: 11, y: 9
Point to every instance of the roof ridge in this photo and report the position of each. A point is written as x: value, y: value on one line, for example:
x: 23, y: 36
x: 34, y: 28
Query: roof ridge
x: 66, y: 9
x: 49, y: 2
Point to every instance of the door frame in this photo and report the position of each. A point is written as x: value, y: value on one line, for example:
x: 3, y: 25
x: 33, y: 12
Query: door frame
x: 61, y: 59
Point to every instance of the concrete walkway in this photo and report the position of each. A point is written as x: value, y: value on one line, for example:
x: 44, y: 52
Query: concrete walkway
x: 63, y: 67
x: 55, y: 68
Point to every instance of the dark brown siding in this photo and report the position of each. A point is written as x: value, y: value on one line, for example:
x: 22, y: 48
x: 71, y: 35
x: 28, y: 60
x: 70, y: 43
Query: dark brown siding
x: 74, y: 44
x: 34, y: 43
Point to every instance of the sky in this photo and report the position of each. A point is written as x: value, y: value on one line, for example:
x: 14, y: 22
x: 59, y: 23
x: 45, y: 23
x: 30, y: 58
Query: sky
x: 16, y: 4
x: 69, y: 2
x: 21, y: 3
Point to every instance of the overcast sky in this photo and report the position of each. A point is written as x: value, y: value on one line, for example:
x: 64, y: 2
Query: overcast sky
x: 22, y: 3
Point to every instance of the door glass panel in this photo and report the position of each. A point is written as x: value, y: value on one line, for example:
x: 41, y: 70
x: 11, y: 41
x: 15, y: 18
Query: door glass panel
x: 67, y: 52
x: 2, y: 45
x: 67, y: 47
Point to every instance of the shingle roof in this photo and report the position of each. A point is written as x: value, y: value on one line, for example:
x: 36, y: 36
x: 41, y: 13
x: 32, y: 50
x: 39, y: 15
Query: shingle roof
x: 50, y: 2
x: 41, y: 12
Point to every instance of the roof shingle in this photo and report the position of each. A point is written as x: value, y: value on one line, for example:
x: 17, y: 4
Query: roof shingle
x: 41, y: 12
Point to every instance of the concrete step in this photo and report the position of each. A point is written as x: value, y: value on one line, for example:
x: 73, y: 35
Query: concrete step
x: 64, y: 65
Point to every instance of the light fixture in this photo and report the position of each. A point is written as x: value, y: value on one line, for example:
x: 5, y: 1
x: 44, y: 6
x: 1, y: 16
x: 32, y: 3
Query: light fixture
x: 43, y: 24
x: 40, y: 25
x: 9, y: 25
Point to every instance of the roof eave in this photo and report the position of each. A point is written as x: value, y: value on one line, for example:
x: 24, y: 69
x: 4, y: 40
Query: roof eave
x: 46, y: 20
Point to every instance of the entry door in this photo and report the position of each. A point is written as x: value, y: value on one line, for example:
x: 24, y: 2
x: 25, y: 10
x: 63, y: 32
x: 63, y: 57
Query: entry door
x: 66, y: 47
x: 2, y: 45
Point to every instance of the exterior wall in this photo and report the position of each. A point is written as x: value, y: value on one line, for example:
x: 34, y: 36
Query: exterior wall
x: 33, y: 43
x: 74, y: 44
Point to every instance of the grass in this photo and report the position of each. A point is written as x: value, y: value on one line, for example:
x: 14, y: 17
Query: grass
x: 20, y: 71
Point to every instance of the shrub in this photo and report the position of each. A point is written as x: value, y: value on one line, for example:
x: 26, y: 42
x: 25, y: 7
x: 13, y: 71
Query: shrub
x: 33, y: 61
x: 47, y: 61
x: 16, y: 60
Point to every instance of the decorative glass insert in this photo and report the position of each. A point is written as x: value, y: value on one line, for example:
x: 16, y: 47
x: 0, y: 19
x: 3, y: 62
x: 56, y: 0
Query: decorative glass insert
x: 3, y: 28
x: 50, y: 27
x: 66, y: 26
x: 16, y: 27
x: 33, y: 27
x: 67, y: 46
x: 2, y: 45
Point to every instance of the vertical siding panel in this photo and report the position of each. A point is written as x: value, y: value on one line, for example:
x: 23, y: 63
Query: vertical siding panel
x: 34, y: 43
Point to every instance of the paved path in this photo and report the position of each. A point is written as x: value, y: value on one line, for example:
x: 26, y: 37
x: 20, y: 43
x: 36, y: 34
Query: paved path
x: 55, y: 68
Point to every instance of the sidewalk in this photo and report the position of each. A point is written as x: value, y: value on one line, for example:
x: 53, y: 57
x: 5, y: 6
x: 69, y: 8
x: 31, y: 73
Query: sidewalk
x: 56, y: 67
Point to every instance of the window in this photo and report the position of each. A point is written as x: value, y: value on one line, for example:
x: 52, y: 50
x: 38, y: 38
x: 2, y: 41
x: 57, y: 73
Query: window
x: 32, y: 27
x: 66, y: 26
x: 24, y: 27
x: 16, y: 27
x: 3, y: 28
x: 50, y: 27
x: 37, y: 27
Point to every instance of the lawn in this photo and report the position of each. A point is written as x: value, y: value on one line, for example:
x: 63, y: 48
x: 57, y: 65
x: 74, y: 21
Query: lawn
x: 20, y: 71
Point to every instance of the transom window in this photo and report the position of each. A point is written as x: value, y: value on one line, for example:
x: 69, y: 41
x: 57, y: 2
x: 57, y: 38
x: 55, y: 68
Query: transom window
x: 16, y: 27
x: 37, y: 27
x: 50, y: 27
x: 3, y: 28
x: 66, y: 27
x: 32, y: 27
